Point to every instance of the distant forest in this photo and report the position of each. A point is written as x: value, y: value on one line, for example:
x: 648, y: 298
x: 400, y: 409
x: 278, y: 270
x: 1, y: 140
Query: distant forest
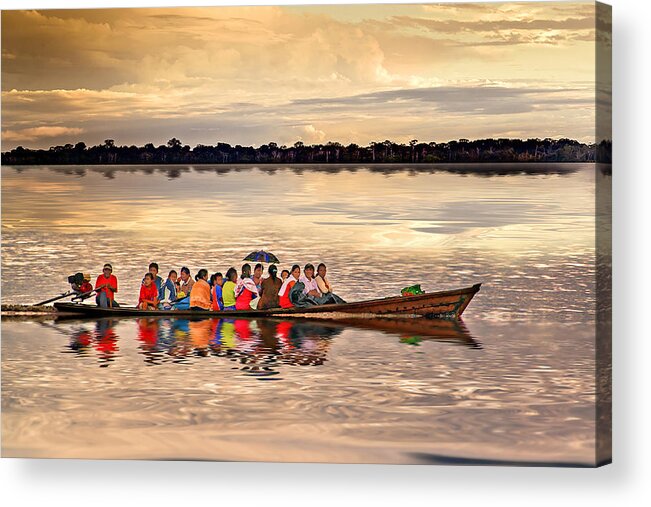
x: 175, y: 152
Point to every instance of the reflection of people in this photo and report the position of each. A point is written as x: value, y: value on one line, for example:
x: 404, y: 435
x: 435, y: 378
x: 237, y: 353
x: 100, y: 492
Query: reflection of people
x: 284, y: 331
x: 148, y: 299
x: 227, y: 334
x: 106, y: 286
x: 268, y: 337
x: 200, y: 332
x: 148, y: 332
x: 106, y: 341
x: 243, y: 329
x: 180, y: 331
x: 269, y: 290
x: 80, y: 340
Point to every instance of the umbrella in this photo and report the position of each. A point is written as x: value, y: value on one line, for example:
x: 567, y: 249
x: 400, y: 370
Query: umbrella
x: 261, y: 256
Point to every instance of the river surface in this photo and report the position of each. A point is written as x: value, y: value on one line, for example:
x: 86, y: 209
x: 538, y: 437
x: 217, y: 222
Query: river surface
x: 513, y: 383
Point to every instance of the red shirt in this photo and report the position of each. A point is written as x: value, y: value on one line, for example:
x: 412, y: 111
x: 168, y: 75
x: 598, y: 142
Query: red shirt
x: 284, y: 299
x: 148, y: 293
x: 243, y: 301
x: 111, y: 280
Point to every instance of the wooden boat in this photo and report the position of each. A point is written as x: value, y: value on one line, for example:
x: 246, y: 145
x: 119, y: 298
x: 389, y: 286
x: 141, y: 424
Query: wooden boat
x: 440, y: 305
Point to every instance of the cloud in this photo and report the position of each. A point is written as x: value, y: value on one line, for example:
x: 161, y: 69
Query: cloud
x: 36, y: 133
x: 456, y: 26
x: 460, y: 99
x: 254, y: 74
x: 310, y: 135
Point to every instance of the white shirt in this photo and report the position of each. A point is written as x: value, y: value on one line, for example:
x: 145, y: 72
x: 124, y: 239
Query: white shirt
x: 309, y: 284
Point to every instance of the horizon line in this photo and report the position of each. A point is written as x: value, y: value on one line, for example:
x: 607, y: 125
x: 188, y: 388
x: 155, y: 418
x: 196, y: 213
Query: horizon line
x: 417, y: 142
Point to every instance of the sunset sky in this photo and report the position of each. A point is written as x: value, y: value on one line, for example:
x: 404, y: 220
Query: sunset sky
x: 251, y: 75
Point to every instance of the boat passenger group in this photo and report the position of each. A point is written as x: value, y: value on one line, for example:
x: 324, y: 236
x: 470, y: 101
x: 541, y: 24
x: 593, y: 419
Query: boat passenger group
x: 218, y: 292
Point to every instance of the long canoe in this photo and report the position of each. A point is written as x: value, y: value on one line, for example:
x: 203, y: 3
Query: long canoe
x: 440, y: 305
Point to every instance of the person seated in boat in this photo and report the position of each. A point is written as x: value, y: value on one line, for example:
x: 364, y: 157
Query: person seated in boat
x: 106, y: 286
x: 286, y: 287
x: 217, y: 295
x: 325, y: 287
x: 269, y: 290
x: 257, y: 275
x: 148, y: 299
x: 246, y: 291
x: 321, y: 281
x: 284, y: 274
x: 168, y: 291
x: 228, y: 289
x: 158, y: 281
x: 200, y: 294
x: 311, y: 287
x: 186, y: 283
x: 311, y: 295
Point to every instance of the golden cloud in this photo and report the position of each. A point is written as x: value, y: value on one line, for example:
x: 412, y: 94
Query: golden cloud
x: 201, y: 69
x: 35, y: 133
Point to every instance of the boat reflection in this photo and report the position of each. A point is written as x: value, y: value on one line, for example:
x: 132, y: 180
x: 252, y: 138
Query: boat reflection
x: 257, y: 347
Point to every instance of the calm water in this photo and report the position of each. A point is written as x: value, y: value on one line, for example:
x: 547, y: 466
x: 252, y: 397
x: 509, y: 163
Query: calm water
x: 515, y: 383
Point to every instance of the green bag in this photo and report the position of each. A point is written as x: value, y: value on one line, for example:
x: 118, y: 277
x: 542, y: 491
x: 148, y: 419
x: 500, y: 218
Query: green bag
x: 412, y: 290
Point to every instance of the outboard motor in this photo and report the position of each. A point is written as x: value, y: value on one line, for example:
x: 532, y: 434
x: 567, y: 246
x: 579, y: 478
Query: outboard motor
x: 80, y: 284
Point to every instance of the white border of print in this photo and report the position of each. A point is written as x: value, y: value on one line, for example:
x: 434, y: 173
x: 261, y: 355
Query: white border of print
x: 626, y: 482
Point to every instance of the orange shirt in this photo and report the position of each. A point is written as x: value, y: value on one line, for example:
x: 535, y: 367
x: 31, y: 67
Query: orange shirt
x: 111, y: 280
x: 200, y: 295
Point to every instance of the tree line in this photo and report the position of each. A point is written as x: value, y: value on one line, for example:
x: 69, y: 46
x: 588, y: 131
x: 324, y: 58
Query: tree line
x: 415, y: 152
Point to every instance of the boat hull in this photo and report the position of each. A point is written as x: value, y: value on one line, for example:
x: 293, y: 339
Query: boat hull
x: 441, y: 305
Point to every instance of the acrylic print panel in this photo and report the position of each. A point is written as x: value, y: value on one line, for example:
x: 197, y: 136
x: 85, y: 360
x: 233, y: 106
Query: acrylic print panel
x: 448, y: 164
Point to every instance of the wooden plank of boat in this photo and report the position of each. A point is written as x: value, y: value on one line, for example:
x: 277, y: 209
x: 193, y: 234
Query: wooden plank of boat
x: 443, y: 305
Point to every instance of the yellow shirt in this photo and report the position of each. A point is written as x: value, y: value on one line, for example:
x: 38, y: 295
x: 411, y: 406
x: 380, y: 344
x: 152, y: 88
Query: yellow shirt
x: 228, y: 293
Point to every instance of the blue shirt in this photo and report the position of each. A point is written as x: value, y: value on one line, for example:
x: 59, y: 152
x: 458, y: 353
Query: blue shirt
x: 217, y: 294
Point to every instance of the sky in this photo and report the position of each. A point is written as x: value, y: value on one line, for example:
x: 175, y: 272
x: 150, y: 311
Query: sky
x: 252, y: 75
